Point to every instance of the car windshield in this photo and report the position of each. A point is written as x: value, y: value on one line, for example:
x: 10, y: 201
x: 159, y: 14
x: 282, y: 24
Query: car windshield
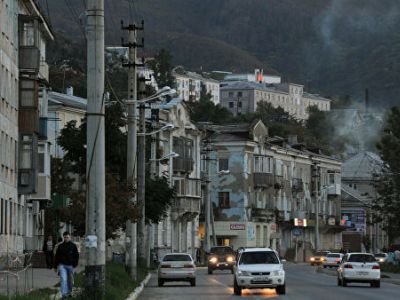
x: 380, y: 255
x: 361, y: 258
x: 221, y: 250
x: 177, y: 257
x: 333, y: 255
x: 321, y: 253
x: 262, y: 257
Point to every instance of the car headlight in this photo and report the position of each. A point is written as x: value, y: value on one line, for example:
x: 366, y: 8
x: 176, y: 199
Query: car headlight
x: 381, y: 260
x: 312, y: 258
x: 243, y: 273
x: 213, y: 260
x: 277, y: 273
x: 229, y: 259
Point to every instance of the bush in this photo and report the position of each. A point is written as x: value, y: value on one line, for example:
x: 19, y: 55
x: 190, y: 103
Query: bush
x: 42, y: 294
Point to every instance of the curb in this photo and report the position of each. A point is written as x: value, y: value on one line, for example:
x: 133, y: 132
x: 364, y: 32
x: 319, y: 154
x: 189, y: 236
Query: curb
x: 139, y: 289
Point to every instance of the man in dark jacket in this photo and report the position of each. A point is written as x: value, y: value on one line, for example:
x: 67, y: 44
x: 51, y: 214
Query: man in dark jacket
x: 66, y: 259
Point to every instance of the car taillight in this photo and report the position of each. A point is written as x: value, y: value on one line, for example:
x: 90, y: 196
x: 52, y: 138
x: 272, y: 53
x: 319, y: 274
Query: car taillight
x: 348, y: 266
x: 188, y: 266
x: 376, y: 268
x: 337, y: 259
x: 165, y: 266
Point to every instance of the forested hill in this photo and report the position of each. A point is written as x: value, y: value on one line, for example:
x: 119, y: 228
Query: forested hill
x: 335, y: 47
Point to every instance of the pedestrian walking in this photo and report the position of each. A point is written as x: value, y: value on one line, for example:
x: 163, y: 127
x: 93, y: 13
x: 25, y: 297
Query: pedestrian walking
x: 66, y: 259
x: 48, y: 248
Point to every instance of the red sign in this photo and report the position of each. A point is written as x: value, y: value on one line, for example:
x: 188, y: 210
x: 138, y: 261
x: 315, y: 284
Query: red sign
x: 237, y: 226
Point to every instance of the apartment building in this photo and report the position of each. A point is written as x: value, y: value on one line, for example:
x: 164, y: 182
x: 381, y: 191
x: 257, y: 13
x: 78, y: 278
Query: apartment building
x: 189, y: 85
x: 24, y: 150
x: 179, y: 231
x: 242, y: 97
x: 262, y: 187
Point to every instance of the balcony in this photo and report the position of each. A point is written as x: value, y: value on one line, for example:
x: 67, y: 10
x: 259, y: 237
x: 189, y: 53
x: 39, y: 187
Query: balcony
x: 43, y: 190
x: 29, y: 59
x: 264, y: 214
x: 44, y: 70
x: 186, y: 206
x: 188, y: 187
x: 298, y: 214
x: 297, y: 185
x: 263, y: 180
x: 183, y: 165
x: 334, y: 189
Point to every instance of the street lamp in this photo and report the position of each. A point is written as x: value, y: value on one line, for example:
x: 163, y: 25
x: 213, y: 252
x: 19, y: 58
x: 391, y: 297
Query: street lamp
x: 169, y: 155
x: 167, y: 126
x: 163, y: 92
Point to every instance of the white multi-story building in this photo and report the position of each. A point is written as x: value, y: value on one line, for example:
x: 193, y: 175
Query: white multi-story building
x: 24, y: 151
x: 242, y: 97
x: 257, y: 76
x: 259, y: 186
x: 189, y: 85
x: 179, y: 231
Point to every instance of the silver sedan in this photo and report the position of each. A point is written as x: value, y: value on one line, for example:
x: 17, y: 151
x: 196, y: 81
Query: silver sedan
x: 177, y: 267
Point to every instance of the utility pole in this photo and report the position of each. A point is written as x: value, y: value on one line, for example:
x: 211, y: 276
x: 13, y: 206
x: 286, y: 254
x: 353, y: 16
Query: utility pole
x: 132, y: 141
x: 316, y: 176
x: 207, y: 200
x: 95, y: 242
x: 141, y: 226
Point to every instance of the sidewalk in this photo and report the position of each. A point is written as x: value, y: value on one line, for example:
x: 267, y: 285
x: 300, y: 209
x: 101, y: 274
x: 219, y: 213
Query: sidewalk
x: 393, y: 278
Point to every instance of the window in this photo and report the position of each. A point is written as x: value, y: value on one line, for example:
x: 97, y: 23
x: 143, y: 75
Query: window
x: 230, y: 104
x: 239, y: 104
x: 223, y: 200
x: 223, y: 164
x: 26, y: 152
x: 240, y: 94
x: 41, y: 158
x: 261, y: 257
x: 263, y: 164
x: 230, y: 94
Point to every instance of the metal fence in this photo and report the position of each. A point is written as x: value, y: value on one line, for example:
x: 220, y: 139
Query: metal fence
x: 16, y: 273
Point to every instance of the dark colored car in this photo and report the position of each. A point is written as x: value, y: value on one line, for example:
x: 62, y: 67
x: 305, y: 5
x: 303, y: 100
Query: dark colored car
x: 221, y: 258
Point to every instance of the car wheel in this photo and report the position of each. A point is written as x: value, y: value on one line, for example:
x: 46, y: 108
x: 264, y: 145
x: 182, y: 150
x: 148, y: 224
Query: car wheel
x: 344, y: 282
x: 312, y: 265
x: 281, y: 289
x: 193, y: 282
x: 375, y: 284
x: 160, y: 282
x: 210, y: 271
x: 339, y: 283
x: 324, y: 267
x: 236, y: 289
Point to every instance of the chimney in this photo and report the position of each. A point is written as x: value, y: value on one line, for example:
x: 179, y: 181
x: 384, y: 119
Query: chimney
x: 70, y: 91
x: 366, y: 100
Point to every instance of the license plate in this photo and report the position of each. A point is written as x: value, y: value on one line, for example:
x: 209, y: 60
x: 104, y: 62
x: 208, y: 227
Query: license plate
x: 219, y: 265
x: 362, y: 273
x: 260, y: 278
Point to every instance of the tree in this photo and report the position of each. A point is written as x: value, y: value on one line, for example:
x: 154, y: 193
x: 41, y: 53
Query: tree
x: 205, y: 110
x: 162, y: 67
x: 387, y: 205
x: 118, y: 208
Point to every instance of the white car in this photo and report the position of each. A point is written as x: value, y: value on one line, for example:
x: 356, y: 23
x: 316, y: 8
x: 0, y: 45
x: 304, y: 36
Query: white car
x: 381, y: 257
x: 332, y: 260
x: 359, y: 267
x: 258, y: 268
x: 177, y: 267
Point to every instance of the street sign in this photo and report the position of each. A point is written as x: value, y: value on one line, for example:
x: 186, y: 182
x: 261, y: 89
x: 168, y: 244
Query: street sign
x: 296, y: 231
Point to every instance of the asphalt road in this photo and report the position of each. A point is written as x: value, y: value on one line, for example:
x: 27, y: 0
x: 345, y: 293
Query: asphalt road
x: 302, y: 282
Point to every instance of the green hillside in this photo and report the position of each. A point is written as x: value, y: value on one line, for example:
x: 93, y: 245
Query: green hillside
x: 335, y: 47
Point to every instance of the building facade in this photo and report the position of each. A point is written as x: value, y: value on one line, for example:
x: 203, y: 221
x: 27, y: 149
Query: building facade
x: 260, y: 186
x: 359, y: 176
x: 190, y: 85
x: 242, y: 97
x: 24, y: 149
x: 179, y: 231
